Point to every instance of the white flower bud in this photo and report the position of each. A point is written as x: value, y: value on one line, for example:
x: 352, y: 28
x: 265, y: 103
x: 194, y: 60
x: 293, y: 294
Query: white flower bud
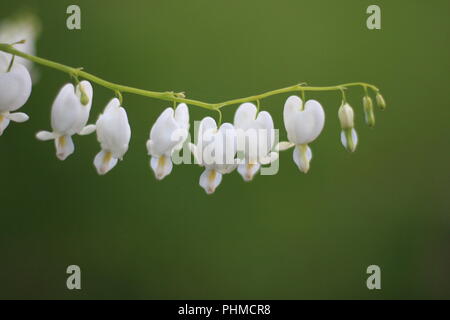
x: 368, y: 111
x: 345, y: 114
x: 380, y: 101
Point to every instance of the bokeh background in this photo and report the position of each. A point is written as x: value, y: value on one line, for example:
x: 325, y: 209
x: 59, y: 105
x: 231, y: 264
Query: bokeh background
x: 288, y: 236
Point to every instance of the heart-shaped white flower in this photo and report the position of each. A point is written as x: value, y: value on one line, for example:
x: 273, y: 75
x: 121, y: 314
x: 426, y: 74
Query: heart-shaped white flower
x: 303, y: 125
x: 114, y: 134
x: 15, y: 89
x: 255, y: 139
x: 69, y: 116
x: 167, y: 135
x: 216, y: 151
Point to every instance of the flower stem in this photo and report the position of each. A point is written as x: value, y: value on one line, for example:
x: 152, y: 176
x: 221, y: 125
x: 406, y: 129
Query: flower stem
x: 170, y: 95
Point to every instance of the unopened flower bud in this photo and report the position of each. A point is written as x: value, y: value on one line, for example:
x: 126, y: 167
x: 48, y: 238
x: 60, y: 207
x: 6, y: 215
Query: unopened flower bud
x: 368, y: 111
x: 380, y: 101
x: 345, y: 114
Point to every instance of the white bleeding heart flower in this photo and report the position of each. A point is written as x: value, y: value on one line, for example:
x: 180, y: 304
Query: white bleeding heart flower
x: 167, y: 135
x: 69, y: 116
x: 303, y: 125
x: 114, y: 134
x: 349, y: 137
x: 15, y: 89
x: 23, y: 26
x: 255, y: 139
x: 216, y: 151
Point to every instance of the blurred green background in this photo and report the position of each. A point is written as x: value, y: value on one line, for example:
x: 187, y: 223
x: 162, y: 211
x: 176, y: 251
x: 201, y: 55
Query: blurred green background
x: 288, y: 236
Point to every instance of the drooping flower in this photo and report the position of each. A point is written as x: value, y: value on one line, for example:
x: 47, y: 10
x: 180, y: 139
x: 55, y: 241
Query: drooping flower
x: 113, y: 133
x: 15, y: 89
x: 216, y: 151
x: 255, y: 136
x: 303, y: 125
x: 349, y: 137
x: 167, y: 135
x: 69, y: 116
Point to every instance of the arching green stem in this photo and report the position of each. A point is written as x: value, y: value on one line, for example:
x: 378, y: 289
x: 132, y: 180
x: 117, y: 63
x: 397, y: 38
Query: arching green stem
x: 170, y: 95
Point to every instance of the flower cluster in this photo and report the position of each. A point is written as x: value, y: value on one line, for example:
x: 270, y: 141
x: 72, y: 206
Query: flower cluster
x: 69, y: 116
x: 246, y: 145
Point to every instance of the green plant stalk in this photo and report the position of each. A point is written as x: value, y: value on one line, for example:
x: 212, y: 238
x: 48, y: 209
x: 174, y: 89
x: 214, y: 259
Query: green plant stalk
x: 170, y: 95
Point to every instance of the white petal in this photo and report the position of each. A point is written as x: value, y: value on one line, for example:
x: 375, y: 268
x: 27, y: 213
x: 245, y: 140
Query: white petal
x: 206, y: 128
x: 302, y: 158
x: 113, y: 129
x: 87, y: 130
x: 64, y: 147
x: 319, y: 118
x: 303, y: 126
x: 354, y: 138
x: 194, y: 151
x: 247, y: 171
x: 149, y: 145
x: 161, y: 166
x: 65, y: 111
x: 182, y: 115
x: 225, y: 148
x: 255, y: 133
x: 4, y: 122
x: 284, y: 145
x: 343, y: 139
x: 88, y: 90
x: 206, y: 132
x: 227, y: 168
x: 18, y: 117
x: 164, y: 133
x: 45, y: 135
x: 292, y: 106
x: 245, y: 116
x: 209, y: 180
x: 265, y: 122
x: 15, y: 87
x: 271, y: 157
x: 104, y: 162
